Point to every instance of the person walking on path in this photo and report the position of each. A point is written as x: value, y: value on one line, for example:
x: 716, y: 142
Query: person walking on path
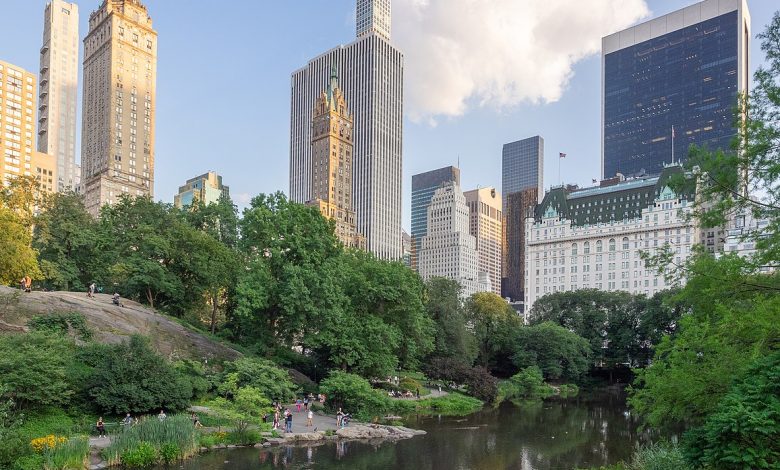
x: 101, y: 428
x: 276, y: 419
x: 306, y: 404
x: 128, y: 420
x: 298, y: 404
x: 309, y: 419
x: 339, y: 418
x: 27, y: 283
x: 91, y: 291
x: 288, y: 421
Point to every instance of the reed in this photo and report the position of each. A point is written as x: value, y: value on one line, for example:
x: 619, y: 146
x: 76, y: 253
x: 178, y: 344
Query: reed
x: 177, y: 430
x: 72, y: 454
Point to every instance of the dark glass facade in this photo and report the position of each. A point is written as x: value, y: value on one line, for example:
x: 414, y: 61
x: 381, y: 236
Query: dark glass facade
x: 687, y: 79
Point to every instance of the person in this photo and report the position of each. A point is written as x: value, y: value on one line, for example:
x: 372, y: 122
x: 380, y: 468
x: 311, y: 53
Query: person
x: 27, y: 283
x: 276, y: 419
x: 196, y: 421
x: 339, y: 417
x: 128, y: 420
x: 418, y: 393
x: 306, y: 403
x: 288, y: 421
x: 161, y: 416
x: 309, y: 419
x: 117, y: 299
x: 101, y: 428
x: 22, y: 284
x: 91, y: 291
x: 298, y: 404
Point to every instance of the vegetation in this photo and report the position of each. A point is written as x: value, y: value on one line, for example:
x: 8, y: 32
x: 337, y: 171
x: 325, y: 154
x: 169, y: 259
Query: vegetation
x: 556, y: 351
x: 153, y: 441
x: 528, y: 384
x: 246, y: 406
x: 353, y: 393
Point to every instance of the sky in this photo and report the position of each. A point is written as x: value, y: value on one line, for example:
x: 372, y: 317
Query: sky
x: 478, y: 74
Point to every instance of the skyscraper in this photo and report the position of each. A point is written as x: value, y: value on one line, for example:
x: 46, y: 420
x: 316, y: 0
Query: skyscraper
x: 371, y: 77
x: 448, y: 249
x: 120, y: 72
x: 58, y: 89
x: 522, y: 182
x: 207, y: 188
x: 672, y: 82
x: 423, y: 187
x: 373, y: 16
x: 331, y: 171
x: 486, y: 224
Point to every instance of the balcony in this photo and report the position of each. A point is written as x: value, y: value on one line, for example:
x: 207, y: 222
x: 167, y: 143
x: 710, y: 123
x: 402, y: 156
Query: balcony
x: 45, y: 49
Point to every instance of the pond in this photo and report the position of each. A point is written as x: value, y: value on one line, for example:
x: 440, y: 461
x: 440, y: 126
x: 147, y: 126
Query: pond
x: 551, y: 435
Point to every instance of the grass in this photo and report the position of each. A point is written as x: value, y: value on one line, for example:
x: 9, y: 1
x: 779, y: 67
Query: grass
x: 177, y: 429
x: 454, y: 404
x: 72, y: 455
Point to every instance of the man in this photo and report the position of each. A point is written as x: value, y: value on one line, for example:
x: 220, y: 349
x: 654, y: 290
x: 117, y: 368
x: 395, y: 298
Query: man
x: 309, y: 419
x: 288, y: 420
x: 162, y: 415
x: 27, y: 283
x: 128, y: 420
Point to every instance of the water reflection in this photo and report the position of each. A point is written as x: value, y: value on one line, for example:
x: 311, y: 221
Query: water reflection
x: 554, y: 435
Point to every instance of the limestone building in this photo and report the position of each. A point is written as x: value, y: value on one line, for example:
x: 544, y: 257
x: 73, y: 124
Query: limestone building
x: 57, y: 92
x: 207, y: 188
x: 485, y: 224
x: 592, y: 238
x: 448, y: 249
x: 331, y: 162
x: 423, y: 187
x: 120, y: 72
x: 370, y: 73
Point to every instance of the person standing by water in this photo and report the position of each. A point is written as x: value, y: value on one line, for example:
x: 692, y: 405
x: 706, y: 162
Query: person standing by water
x: 339, y: 417
x: 305, y: 403
x: 288, y: 421
x: 276, y: 418
x: 101, y: 428
x: 309, y: 419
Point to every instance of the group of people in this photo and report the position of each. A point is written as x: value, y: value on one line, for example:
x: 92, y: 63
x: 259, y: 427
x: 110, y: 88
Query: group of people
x: 406, y: 394
x: 129, y: 420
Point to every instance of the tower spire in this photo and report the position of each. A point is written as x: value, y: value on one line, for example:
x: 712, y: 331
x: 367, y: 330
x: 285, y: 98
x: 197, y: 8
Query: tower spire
x: 334, y: 83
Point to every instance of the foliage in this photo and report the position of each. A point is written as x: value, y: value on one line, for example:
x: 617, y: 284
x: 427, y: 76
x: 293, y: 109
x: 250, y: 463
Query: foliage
x: 744, y: 429
x: 247, y: 406
x: 353, y: 394
x: 17, y: 257
x: 445, y: 307
x: 169, y: 452
x: 151, y: 435
x: 659, y: 457
x: 452, y: 404
x: 559, y: 353
x: 568, y: 390
x: 73, y: 453
x: 61, y: 324
x: 270, y: 380
x: 528, y: 384
x: 131, y: 377
x: 477, y: 380
x: 47, y: 442
x: 408, y: 383
x: 628, y: 325
x: 201, y: 379
x: 493, y: 322
x: 33, y: 369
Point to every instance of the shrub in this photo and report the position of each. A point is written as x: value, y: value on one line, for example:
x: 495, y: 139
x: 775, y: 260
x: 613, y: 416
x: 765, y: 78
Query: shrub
x: 246, y: 407
x: 245, y: 438
x: 408, y: 383
x: 132, y: 377
x: 568, y: 391
x: 61, y: 324
x: 29, y: 462
x: 73, y: 453
x: 271, y: 380
x: 143, y: 455
x: 169, y: 452
x: 481, y: 384
x: 353, y: 394
x: 660, y: 457
x: 478, y: 381
x: 176, y: 429
x: 201, y: 380
x: 528, y: 384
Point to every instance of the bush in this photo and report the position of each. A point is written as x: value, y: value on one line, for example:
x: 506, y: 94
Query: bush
x: 271, y: 380
x: 177, y: 429
x: 169, y: 452
x: 660, y: 457
x: 201, y: 380
x: 408, y: 383
x: 73, y: 453
x: 477, y: 380
x: 528, y: 384
x: 744, y: 430
x: 246, y: 407
x: 143, y: 455
x: 29, y: 462
x: 131, y: 377
x: 353, y: 394
x: 481, y: 384
x: 61, y: 324
x: 243, y: 438
x: 568, y: 391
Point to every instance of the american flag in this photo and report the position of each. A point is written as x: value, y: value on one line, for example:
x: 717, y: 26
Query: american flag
x: 561, y: 155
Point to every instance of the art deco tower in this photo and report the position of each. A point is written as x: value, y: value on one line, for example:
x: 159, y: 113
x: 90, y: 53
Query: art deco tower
x: 370, y: 73
x: 120, y: 71
x: 58, y: 88
x: 331, y: 170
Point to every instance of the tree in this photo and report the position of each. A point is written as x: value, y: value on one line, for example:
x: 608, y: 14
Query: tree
x: 131, y: 377
x: 353, y: 394
x: 493, y: 321
x: 263, y: 375
x: 528, y: 384
x: 66, y: 237
x: 219, y: 220
x: 17, y: 257
x: 445, y: 307
x: 558, y: 352
x: 247, y: 406
x: 34, y: 369
x: 19, y: 196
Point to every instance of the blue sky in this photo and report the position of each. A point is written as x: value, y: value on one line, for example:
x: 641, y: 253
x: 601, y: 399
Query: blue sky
x: 223, y: 93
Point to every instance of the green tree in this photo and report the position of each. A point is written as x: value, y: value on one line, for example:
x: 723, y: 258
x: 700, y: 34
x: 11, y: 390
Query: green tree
x: 558, y: 352
x: 445, y: 307
x: 19, y: 196
x: 34, y: 369
x: 263, y: 375
x: 220, y: 219
x: 131, y: 377
x: 493, y: 322
x: 528, y: 384
x: 65, y: 237
x: 353, y: 394
x: 246, y: 408
x: 17, y: 257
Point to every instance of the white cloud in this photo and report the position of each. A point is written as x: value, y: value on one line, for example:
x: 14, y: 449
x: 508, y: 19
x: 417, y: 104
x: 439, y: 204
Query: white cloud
x: 242, y: 199
x: 498, y: 53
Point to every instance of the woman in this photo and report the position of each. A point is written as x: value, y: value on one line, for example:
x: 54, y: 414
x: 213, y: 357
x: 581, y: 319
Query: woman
x: 276, y: 419
x: 101, y: 428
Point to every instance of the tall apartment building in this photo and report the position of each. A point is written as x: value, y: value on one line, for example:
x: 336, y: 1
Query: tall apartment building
x: 592, y: 238
x: 373, y: 17
x: 486, y: 225
x: 423, y: 187
x: 58, y: 89
x: 522, y: 170
x: 672, y: 82
x: 207, y: 188
x: 371, y: 77
x: 331, y: 162
x: 448, y: 249
x: 120, y: 73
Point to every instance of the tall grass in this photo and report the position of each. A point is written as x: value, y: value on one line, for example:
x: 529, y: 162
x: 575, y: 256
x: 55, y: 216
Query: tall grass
x: 176, y: 429
x: 71, y: 455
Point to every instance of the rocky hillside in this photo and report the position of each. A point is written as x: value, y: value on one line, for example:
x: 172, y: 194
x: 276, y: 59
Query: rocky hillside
x: 110, y: 323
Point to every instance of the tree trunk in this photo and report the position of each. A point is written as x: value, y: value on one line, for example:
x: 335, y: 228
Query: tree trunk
x: 149, y: 297
x: 213, y: 313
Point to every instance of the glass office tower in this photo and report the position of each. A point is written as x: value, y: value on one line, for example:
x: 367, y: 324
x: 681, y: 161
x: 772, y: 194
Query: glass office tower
x: 670, y: 83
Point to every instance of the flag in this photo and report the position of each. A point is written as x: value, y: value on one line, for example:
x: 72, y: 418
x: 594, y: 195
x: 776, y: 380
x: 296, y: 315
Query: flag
x: 561, y: 155
x: 672, y: 132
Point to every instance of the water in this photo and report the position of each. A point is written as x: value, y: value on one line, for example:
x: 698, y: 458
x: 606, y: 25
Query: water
x: 552, y: 435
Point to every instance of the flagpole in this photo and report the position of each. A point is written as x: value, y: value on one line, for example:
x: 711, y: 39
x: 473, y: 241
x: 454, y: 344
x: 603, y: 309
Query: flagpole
x: 672, y: 144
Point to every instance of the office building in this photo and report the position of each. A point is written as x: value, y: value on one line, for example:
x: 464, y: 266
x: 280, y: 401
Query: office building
x: 406, y: 239
x: 513, y: 270
x: 743, y: 235
x: 332, y: 154
x: 373, y: 17
x: 58, y: 87
x: 206, y: 188
x: 448, y: 249
x: 44, y: 168
x: 371, y: 77
x: 592, y: 238
x: 486, y: 225
x: 522, y: 170
x: 17, y: 118
x: 423, y: 187
x: 120, y: 73
x: 672, y: 82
